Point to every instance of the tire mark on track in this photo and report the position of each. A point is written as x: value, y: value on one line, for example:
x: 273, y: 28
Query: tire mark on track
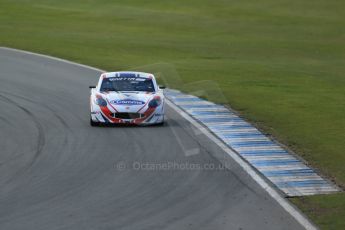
x: 41, y: 136
x: 55, y: 114
x: 16, y: 156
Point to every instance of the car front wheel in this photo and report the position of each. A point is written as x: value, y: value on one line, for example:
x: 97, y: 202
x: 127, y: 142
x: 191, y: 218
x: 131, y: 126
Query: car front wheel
x: 93, y: 123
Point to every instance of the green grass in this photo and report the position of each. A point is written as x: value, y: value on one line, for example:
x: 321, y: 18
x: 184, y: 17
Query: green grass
x: 328, y: 211
x: 280, y: 63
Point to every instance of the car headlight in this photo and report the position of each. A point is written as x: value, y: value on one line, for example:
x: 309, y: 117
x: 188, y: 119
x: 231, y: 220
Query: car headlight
x: 155, y: 102
x: 101, y: 102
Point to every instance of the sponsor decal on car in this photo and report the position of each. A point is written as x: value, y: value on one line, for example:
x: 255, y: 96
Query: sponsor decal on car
x: 127, y: 79
x: 127, y: 102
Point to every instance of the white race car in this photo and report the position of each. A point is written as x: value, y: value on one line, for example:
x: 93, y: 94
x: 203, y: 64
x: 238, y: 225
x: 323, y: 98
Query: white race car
x: 127, y: 98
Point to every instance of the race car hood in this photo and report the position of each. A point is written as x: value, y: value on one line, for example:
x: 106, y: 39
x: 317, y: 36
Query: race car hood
x: 128, y: 101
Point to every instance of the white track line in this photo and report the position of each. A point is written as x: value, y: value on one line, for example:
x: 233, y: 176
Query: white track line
x: 267, y: 187
x: 52, y: 58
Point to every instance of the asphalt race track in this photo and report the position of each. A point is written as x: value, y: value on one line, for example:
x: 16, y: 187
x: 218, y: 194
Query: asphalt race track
x: 58, y: 172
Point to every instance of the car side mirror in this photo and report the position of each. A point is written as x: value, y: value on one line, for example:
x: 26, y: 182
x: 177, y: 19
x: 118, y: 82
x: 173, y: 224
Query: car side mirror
x: 162, y: 87
x: 92, y: 86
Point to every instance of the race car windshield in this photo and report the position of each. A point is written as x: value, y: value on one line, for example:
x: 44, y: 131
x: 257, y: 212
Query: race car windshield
x: 127, y: 84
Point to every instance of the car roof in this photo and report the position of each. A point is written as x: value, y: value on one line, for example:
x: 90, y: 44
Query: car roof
x: 127, y: 74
